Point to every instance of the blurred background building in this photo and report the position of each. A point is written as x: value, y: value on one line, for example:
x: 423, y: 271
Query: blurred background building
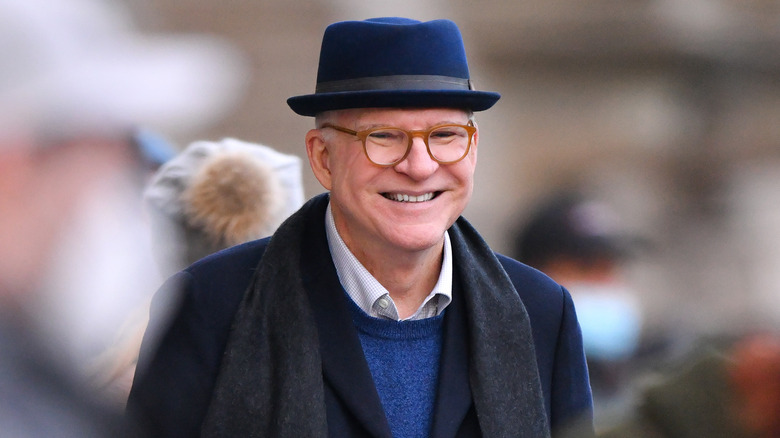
x: 667, y: 109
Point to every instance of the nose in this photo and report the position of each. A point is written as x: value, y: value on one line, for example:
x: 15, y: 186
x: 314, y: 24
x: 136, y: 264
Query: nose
x: 418, y: 164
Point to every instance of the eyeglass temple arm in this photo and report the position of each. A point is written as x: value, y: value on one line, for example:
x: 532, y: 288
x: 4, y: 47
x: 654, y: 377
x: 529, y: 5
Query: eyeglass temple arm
x: 339, y: 128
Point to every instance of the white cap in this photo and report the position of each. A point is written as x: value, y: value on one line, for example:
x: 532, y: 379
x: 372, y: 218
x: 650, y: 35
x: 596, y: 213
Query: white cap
x: 80, y: 65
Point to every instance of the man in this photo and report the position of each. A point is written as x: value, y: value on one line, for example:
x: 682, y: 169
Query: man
x: 74, y: 81
x: 374, y: 310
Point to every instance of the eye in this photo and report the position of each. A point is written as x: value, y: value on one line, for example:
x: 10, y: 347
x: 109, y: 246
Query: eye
x: 448, y: 134
x: 443, y: 133
x: 387, y: 136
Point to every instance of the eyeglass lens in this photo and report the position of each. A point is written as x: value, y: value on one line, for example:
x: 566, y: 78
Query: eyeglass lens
x: 446, y: 144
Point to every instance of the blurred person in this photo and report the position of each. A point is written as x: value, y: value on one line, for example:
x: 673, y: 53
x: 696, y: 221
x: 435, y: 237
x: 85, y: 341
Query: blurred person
x: 217, y: 194
x: 74, y: 82
x: 375, y: 309
x: 41, y: 189
x: 580, y: 243
x: 727, y: 388
x: 210, y: 196
x: 754, y: 378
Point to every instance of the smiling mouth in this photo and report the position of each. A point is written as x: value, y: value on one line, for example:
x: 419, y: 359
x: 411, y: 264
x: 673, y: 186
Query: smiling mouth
x: 400, y: 197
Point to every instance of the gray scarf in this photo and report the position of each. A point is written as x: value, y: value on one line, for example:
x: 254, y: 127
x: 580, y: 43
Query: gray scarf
x: 270, y: 382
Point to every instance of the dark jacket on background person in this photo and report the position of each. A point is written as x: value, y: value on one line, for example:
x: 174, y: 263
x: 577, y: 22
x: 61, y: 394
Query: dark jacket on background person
x: 174, y: 390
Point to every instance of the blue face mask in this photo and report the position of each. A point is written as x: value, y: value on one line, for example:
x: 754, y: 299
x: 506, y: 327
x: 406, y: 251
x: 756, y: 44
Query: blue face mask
x: 610, y: 318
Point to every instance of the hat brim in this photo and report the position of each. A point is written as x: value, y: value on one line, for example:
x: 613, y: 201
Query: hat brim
x: 313, y: 104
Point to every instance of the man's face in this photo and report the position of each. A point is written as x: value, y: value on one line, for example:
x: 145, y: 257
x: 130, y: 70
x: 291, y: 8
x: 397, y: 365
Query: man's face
x: 364, y: 201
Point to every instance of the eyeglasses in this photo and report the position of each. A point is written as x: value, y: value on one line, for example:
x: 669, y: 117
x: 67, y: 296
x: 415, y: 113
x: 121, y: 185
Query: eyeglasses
x: 388, y: 146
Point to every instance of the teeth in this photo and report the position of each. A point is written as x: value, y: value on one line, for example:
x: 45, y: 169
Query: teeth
x: 406, y: 198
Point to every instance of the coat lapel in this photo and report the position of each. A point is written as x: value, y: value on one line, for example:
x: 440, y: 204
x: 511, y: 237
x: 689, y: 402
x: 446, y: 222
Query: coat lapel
x: 344, y: 366
x: 453, y: 398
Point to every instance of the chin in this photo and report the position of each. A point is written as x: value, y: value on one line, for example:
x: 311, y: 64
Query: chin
x: 418, y: 240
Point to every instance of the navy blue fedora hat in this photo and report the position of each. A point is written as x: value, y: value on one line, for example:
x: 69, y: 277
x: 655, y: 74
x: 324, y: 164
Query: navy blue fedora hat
x: 392, y: 62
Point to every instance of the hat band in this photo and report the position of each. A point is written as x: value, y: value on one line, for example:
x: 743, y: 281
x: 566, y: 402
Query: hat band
x: 399, y: 82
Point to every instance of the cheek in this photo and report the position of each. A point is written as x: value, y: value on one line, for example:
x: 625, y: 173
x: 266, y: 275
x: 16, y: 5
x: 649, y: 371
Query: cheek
x: 465, y: 171
x: 350, y: 170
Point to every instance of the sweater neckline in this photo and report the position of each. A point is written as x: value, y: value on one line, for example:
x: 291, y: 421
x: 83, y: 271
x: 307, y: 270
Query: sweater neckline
x: 391, y: 329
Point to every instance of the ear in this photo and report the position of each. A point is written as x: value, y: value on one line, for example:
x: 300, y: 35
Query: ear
x: 318, y: 153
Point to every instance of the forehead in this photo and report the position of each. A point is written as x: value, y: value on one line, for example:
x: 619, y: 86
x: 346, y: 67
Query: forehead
x: 419, y: 117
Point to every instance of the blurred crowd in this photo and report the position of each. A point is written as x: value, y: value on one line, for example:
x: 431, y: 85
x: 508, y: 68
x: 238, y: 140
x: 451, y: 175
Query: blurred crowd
x: 647, y: 383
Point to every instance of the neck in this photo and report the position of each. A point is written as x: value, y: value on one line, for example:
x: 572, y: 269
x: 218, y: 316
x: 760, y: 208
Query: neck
x: 408, y: 277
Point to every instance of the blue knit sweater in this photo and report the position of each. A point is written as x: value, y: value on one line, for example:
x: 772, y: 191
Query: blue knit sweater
x: 403, y: 357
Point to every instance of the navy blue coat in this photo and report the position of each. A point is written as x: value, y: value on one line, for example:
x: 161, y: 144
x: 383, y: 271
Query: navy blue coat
x: 176, y: 374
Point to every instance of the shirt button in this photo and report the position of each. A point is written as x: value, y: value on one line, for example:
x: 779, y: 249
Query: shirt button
x: 383, y: 302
